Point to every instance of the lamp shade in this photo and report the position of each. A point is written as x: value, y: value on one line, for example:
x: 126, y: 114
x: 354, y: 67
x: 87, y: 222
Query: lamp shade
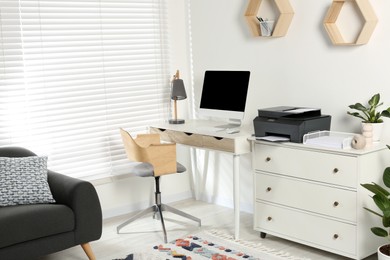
x: 178, y: 91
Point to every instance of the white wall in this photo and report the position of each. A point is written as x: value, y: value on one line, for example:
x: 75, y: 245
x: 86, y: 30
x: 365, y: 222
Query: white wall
x: 301, y: 69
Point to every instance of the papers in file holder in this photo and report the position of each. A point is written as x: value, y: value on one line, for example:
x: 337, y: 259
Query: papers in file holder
x: 329, y: 139
x: 272, y: 138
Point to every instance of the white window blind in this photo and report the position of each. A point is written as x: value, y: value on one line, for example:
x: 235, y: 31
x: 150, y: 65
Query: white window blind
x: 73, y: 71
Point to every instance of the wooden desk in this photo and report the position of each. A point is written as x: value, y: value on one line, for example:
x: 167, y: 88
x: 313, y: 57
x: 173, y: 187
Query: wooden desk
x: 197, y: 134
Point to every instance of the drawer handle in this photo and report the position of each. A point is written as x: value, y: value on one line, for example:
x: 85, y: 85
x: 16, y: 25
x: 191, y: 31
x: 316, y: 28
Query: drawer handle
x: 218, y: 138
x: 335, y: 170
x: 269, y: 218
x: 268, y: 189
x: 268, y: 159
x: 335, y: 204
x: 189, y: 134
x: 335, y: 236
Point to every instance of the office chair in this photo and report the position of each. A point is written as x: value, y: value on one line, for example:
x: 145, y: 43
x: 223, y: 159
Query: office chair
x: 157, y: 159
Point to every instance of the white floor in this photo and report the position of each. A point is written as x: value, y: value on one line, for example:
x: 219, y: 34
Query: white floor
x: 148, y: 231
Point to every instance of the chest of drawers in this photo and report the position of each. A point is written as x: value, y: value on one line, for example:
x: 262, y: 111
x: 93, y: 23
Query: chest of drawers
x: 313, y: 195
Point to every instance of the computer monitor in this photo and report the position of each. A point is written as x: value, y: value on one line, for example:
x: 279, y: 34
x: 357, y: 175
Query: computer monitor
x: 224, y: 95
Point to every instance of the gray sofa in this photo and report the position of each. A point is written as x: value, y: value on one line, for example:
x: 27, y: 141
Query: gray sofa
x: 31, y: 231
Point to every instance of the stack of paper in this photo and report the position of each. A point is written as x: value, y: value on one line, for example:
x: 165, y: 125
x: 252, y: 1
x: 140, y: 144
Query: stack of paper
x: 330, y: 140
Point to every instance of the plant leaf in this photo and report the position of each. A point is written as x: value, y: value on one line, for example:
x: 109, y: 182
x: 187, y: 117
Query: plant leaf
x: 358, y: 106
x: 377, y: 118
x: 386, y: 177
x: 379, y: 231
x: 386, y: 113
x: 374, y: 100
x: 382, y: 202
x: 375, y: 188
x: 353, y: 114
x: 356, y: 114
x: 386, y: 218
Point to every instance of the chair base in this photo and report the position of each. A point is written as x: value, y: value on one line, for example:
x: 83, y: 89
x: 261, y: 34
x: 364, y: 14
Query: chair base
x: 158, y: 209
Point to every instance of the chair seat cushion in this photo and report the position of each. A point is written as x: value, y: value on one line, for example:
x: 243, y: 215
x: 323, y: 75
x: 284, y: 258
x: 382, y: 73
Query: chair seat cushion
x: 146, y: 169
x: 27, y: 222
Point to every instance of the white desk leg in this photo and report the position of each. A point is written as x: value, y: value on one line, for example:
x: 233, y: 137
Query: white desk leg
x: 195, y: 173
x: 236, y: 195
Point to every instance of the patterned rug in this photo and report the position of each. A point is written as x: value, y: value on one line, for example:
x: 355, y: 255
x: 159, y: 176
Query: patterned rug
x: 213, y: 245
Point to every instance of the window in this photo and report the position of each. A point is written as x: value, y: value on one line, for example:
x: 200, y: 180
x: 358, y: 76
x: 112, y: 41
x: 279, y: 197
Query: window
x: 73, y: 71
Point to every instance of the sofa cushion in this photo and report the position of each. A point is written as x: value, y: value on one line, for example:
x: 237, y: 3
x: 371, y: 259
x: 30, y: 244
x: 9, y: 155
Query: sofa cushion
x: 23, y: 180
x: 27, y: 222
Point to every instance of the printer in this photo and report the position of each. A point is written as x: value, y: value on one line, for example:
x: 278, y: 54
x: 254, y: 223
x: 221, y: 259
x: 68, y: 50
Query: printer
x: 290, y: 122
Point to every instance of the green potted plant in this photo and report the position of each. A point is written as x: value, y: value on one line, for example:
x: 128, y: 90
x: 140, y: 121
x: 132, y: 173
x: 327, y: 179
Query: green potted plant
x: 371, y: 115
x: 381, y: 198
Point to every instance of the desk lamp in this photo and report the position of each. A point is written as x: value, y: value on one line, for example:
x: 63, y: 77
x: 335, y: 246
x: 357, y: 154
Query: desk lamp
x: 178, y: 92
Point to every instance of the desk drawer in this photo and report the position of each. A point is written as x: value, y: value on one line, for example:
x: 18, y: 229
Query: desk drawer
x: 218, y: 143
x: 305, y: 228
x: 338, y: 203
x: 185, y: 138
x: 178, y: 137
x: 201, y: 141
x: 307, y: 164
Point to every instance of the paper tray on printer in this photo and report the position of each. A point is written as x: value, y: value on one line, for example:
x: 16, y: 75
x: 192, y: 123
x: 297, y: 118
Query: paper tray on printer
x: 289, y: 112
x: 329, y: 139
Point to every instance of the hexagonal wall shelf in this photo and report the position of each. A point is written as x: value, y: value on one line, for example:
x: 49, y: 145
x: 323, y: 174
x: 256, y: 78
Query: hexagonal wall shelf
x: 286, y: 14
x: 368, y: 15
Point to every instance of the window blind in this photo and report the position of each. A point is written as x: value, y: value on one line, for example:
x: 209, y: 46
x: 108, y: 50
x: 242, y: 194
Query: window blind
x: 72, y: 72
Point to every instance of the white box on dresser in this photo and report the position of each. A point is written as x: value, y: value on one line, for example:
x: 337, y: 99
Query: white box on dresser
x: 313, y: 195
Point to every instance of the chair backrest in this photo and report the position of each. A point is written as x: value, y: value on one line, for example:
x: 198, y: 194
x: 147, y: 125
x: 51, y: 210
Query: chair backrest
x: 133, y: 150
x: 147, y: 148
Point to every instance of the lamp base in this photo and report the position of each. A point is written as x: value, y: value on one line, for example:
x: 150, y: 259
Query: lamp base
x: 176, y: 121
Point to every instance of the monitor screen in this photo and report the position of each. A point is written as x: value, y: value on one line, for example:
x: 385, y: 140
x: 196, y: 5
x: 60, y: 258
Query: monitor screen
x: 224, y: 94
